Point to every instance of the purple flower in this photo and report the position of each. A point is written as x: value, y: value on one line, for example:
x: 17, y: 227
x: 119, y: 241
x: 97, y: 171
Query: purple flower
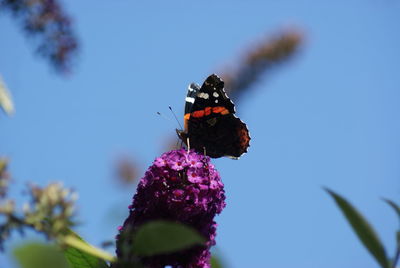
x: 180, y: 186
x: 160, y: 162
x: 194, y: 160
x: 193, y: 176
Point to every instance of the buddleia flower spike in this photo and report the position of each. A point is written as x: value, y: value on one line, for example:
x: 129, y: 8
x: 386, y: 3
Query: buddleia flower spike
x: 180, y: 186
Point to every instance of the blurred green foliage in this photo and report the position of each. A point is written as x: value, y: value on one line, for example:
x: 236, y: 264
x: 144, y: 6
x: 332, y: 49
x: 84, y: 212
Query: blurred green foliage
x: 39, y: 255
x: 160, y: 237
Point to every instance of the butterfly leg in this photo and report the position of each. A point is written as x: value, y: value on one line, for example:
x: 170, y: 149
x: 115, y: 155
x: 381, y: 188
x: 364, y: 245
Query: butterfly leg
x: 204, y: 159
x: 188, y: 144
x: 179, y: 144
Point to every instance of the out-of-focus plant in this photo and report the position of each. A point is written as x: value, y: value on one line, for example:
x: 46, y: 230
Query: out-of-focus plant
x: 216, y: 262
x: 127, y: 170
x: 50, y: 212
x: 47, y: 21
x: 5, y: 98
x: 39, y: 255
x: 259, y: 60
x: 366, y: 233
x: 4, y: 178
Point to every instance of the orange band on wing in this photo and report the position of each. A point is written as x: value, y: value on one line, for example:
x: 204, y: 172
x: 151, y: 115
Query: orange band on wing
x: 220, y: 110
x: 207, y: 111
x: 198, y: 113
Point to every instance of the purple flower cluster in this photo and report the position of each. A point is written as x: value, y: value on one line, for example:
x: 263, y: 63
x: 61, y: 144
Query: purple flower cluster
x: 184, y: 187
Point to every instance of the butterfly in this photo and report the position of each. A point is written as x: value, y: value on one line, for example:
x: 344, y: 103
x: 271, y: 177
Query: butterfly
x: 210, y: 124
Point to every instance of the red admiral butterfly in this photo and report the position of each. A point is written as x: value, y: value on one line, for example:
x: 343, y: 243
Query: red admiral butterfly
x: 210, y: 125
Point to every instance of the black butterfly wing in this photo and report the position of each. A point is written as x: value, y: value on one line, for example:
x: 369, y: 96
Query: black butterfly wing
x: 221, y: 135
x: 193, y: 89
x: 212, y: 94
x: 215, y: 133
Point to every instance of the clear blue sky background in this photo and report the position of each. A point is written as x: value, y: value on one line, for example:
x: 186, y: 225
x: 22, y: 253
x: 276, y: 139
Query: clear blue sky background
x: 329, y: 117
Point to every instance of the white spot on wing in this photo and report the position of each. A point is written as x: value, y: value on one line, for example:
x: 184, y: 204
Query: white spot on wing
x: 215, y: 94
x: 216, y: 101
x: 203, y: 95
x: 189, y: 99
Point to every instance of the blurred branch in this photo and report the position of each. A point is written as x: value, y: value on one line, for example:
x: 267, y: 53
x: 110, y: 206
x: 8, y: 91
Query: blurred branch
x: 46, y: 20
x: 261, y: 59
x: 5, y: 98
x: 127, y: 170
x: 50, y: 212
x: 4, y: 178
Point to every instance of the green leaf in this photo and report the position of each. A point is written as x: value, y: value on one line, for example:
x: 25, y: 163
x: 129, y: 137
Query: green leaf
x: 78, y: 254
x: 161, y: 237
x: 5, y: 98
x: 215, y: 262
x: 393, y: 205
x: 38, y: 255
x: 363, y: 229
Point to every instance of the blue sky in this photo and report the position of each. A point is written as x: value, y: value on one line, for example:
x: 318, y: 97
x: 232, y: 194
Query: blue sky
x: 329, y: 117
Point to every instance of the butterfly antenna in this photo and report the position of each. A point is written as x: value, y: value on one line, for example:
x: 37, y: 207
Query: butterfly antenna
x: 166, y: 118
x: 176, y: 118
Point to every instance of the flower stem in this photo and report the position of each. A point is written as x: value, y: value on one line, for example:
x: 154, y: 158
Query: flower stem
x: 75, y: 242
